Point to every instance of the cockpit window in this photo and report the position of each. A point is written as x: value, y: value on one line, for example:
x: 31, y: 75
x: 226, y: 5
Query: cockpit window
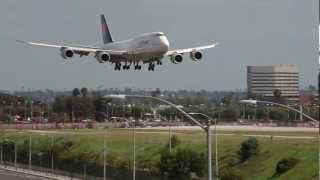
x: 159, y: 34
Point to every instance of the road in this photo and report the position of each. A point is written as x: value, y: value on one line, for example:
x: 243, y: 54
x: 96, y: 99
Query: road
x: 8, y: 175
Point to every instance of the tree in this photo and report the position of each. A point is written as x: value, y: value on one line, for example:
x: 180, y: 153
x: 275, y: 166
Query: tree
x: 156, y: 93
x: 100, y: 105
x: 311, y: 88
x: 249, y: 148
x: 84, y: 92
x: 227, y: 100
x: 277, y: 94
x: 75, y: 92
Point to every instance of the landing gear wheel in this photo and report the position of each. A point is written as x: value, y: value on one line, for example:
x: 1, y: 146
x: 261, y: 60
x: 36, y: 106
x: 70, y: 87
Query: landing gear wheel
x: 151, y: 67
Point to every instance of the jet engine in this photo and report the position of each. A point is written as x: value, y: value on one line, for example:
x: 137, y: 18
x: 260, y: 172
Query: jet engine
x: 103, y: 57
x: 66, y: 53
x: 196, y: 55
x: 176, y: 58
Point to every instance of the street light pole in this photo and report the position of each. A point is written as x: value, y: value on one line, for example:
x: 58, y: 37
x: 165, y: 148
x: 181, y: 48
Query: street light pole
x: 216, y: 173
x: 30, y: 153
x: 170, y: 144
x: 104, y: 160
x: 216, y: 149
x: 278, y: 104
x: 15, y: 155
x: 209, y: 150
x: 52, y: 154
x: 134, y: 151
x: 206, y: 128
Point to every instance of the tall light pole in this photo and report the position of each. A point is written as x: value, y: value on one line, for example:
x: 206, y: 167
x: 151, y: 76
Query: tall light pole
x: 15, y: 154
x: 319, y: 95
x: 206, y: 128
x: 104, y: 160
x: 215, y: 141
x: 134, y: 150
x: 52, y: 154
x: 30, y: 153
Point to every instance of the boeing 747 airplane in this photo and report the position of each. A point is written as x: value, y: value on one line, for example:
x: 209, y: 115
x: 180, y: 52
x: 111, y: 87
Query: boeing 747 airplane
x: 149, y: 48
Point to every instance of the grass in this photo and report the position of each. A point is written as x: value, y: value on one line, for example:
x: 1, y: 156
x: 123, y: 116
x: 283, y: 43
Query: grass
x: 119, y: 144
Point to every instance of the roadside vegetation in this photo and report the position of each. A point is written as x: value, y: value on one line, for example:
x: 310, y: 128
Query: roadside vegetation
x: 239, y: 157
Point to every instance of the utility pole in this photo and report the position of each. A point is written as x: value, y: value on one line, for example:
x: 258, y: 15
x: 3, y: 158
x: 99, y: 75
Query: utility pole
x: 301, y: 109
x: 31, y: 110
x: 244, y: 111
x: 1, y: 153
x: 209, y: 155
x: 30, y: 153
x: 319, y: 96
x: 319, y: 93
x: 170, y: 144
x: 15, y: 155
x: 134, y: 151
x: 104, y: 160
x: 52, y: 154
x: 216, y: 149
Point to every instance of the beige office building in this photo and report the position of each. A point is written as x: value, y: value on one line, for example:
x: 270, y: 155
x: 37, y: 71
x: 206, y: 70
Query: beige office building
x: 264, y: 80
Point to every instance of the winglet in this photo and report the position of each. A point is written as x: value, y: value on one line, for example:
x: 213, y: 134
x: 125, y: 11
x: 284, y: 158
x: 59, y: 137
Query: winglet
x: 105, y: 30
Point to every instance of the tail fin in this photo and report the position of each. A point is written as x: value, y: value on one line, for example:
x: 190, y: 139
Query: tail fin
x: 105, y: 31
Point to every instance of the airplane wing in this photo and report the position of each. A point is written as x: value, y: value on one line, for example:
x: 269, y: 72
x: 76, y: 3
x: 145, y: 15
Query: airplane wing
x: 82, y: 50
x: 182, y: 51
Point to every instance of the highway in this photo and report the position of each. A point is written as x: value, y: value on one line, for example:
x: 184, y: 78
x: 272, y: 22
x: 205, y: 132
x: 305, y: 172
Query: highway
x: 8, y: 175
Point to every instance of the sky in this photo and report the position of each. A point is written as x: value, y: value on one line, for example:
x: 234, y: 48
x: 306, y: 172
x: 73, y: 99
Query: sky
x: 249, y: 32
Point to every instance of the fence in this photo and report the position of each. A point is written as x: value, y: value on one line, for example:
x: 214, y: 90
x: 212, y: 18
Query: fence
x: 73, y: 170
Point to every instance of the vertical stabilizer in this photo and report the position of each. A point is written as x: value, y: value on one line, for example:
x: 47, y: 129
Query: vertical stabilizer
x: 105, y: 31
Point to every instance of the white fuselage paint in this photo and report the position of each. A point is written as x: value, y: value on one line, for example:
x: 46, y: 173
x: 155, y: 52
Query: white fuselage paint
x: 146, y: 47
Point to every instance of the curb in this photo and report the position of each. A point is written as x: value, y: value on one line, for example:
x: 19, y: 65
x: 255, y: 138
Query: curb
x: 12, y: 169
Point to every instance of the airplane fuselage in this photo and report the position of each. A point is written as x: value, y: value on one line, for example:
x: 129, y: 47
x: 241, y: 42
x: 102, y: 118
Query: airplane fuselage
x: 146, y: 47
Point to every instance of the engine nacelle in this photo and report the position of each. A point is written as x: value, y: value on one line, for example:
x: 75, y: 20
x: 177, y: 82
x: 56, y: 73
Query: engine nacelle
x: 176, y: 58
x: 66, y: 53
x: 103, y: 57
x: 196, y: 55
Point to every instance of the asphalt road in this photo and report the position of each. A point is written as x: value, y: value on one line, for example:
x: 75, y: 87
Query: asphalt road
x: 8, y: 175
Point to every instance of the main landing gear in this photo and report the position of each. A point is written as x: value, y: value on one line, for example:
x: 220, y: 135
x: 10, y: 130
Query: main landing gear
x: 126, y: 67
x: 117, y: 67
x: 137, y: 67
x: 151, y: 67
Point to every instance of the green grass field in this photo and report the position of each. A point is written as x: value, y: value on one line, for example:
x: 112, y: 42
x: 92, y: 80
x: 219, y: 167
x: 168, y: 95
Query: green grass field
x: 149, y: 142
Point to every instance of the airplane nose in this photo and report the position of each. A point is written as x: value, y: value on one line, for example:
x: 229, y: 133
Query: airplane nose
x: 165, y: 42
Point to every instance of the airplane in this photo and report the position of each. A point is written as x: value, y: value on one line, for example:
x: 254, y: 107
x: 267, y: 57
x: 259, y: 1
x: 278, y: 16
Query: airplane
x: 149, y: 48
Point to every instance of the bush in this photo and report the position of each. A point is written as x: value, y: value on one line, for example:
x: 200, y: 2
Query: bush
x: 249, y: 148
x: 182, y: 164
x: 175, y: 141
x: 285, y: 165
x: 231, y: 175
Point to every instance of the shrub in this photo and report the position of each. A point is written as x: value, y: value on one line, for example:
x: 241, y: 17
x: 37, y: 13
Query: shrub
x: 286, y: 164
x: 182, y: 164
x: 231, y: 175
x: 249, y: 148
x: 175, y: 141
